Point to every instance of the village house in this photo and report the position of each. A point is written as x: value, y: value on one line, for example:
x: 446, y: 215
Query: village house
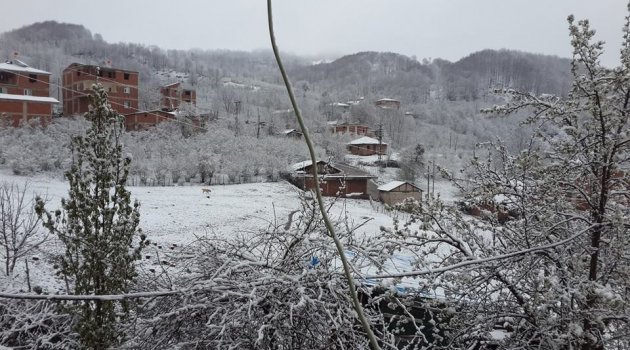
x: 367, y: 146
x: 24, y: 94
x: 397, y: 191
x: 354, y: 129
x: 174, y: 95
x: 121, y: 86
x: 388, y: 103
x: 337, y: 180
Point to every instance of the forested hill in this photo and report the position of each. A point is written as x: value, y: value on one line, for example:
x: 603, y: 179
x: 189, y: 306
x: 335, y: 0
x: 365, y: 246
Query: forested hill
x: 51, y: 46
x: 391, y: 74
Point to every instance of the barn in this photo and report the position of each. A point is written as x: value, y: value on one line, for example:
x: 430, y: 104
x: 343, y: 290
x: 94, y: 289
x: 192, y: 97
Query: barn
x: 338, y: 180
x: 397, y: 191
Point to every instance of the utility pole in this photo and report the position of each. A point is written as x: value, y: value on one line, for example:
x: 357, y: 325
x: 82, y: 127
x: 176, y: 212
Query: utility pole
x: 433, y: 175
x: 428, y: 180
x: 237, y: 107
x: 258, y: 125
x: 380, y: 141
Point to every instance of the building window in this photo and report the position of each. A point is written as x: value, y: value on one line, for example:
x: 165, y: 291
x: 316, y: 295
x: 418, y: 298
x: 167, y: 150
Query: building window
x: 126, y: 76
x: 127, y: 104
x: 187, y: 92
x: 127, y: 90
x: 28, y: 92
x: 3, y: 90
x: 78, y: 73
x: 32, y: 78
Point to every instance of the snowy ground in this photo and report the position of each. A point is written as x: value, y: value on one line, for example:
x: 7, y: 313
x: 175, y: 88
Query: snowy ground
x: 177, y: 215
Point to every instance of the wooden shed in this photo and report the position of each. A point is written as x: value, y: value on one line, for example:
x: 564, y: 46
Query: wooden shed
x: 338, y: 180
x: 397, y: 191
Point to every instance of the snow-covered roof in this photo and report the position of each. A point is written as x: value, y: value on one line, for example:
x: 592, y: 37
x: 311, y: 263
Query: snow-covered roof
x: 390, y: 185
x: 387, y: 100
x: 366, y: 140
x: 281, y: 111
x: 288, y: 131
x: 301, y: 165
x: 19, y: 66
x: 334, y: 122
x: 342, y: 170
x: 28, y: 98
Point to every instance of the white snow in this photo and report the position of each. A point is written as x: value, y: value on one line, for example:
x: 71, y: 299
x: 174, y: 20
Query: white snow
x: 390, y: 185
x: 231, y: 83
x: 366, y: 140
x: 19, y: 66
x: 28, y: 98
x: 177, y: 215
x: 301, y: 165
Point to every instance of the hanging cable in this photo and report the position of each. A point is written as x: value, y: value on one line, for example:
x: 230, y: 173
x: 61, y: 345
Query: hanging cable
x: 331, y: 230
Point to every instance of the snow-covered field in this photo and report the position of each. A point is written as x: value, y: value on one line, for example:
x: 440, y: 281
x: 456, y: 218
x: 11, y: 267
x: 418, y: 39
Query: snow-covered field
x: 177, y: 215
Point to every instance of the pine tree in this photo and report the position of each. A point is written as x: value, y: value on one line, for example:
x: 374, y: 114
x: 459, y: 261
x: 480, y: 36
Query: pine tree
x: 97, y: 225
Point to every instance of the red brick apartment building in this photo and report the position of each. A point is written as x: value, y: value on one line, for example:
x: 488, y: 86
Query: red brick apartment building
x: 121, y: 86
x: 24, y: 94
x: 173, y: 95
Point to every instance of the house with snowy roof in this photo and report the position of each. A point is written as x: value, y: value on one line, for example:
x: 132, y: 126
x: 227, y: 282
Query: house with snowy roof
x: 388, y: 103
x: 24, y: 94
x: 367, y: 146
x: 396, y: 192
x: 336, y: 179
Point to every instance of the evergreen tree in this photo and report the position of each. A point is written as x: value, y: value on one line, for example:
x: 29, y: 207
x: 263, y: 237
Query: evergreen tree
x: 97, y: 225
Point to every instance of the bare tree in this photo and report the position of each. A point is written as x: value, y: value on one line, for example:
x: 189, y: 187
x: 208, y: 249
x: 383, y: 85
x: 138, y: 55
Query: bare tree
x: 19, y: 224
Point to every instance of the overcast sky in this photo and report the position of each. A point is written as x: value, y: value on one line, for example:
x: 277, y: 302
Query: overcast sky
x: 449, y: 29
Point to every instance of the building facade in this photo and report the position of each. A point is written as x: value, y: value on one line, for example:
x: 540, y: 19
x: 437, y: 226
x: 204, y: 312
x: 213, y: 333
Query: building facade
x: 121, y: 86
x: 337, y: 180
x: 143, y: 120
x: 173, y: 95
x: 24, y: 94
x: 396, y: 192
x: 349, y: 128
